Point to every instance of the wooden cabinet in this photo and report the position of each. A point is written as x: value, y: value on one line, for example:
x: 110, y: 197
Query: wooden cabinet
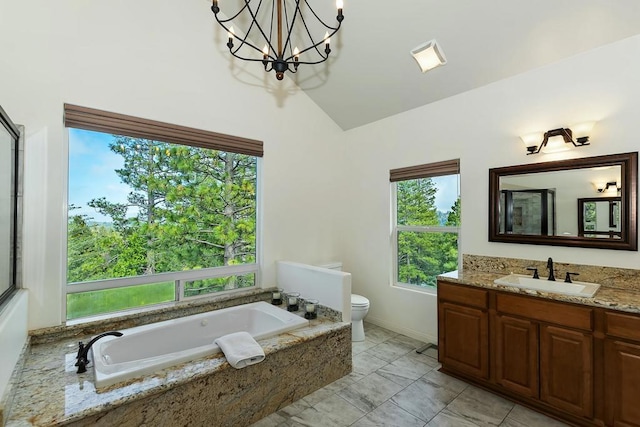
x: 538, y: 351
x: 516, y: 354
x: 574, y: 362
x: 466, y: 347
x: 566, y: 369
x: 463, y: 338
x: 622, y: 369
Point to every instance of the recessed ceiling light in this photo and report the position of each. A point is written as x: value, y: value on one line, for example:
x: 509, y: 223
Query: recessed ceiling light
x: 429, y: 56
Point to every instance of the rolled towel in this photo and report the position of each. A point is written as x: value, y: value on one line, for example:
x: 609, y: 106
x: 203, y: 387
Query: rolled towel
x: 240, y: 349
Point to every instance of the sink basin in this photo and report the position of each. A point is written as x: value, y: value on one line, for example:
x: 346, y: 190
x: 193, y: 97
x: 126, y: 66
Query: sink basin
x: 582, y: 289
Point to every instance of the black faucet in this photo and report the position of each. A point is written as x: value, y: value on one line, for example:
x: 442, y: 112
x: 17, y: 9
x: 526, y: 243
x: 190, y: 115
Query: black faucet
x: 550, y: 267
x: 83, y: 350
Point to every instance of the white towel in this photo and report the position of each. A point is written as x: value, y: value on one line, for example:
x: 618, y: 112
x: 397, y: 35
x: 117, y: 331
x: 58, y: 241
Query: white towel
x: 240, y: 349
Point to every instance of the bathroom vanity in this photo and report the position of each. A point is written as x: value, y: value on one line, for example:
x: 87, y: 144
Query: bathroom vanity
x: 577, y: 359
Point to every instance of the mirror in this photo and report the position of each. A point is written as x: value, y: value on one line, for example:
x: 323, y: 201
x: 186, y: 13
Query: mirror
x: 589, y: 202
x: 599, y: 217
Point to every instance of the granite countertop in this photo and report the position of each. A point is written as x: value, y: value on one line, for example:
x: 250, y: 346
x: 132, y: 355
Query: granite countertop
x: 50, y: 392
x: 606, y: 297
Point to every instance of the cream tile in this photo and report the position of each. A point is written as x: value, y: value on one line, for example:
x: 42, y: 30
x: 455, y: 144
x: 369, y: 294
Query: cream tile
x: 424, y: 399
x: 404, y: 370
x: 294, y: 409
x: 444, y: 380
x: 423, y: 358
x: 390, y: 350
x: 379, y: 335
x: 360, y: 346
x: 339, y: 411
x: 408, y: 340
x: 311, y: 417
x: 370, y: 392
x: 366, y: 363
x: 389, y: 415
x: 480, y: 407
x: 448, y: 419
x: 524, y: 417
x: 273, y: 420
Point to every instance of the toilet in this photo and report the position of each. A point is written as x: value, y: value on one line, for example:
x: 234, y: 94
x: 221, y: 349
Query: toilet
x: 359, y: 308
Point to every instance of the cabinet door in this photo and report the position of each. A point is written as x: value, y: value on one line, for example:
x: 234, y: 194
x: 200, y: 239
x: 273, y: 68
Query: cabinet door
x: 516, y: 357
x: 566, y: 369
x: 464, y: 339
x: 622, y: 373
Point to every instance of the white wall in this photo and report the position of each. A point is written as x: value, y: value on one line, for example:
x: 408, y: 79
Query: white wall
x: 482, y: 128
x: 162, y: 60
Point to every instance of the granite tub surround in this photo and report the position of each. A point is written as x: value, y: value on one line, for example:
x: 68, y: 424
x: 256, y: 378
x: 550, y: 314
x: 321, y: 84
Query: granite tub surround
x: 9, y: 393
x: 620, y: 287
x: 207, y: 391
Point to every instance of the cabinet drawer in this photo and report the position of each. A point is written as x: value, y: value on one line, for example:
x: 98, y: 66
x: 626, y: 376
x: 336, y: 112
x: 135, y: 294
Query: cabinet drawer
x: 623, y: 325
x: 546, y: 311
x: 463, y: 294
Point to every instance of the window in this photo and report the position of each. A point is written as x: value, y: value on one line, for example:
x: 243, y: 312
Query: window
x: 157, y: 212
x: 10, y: 201
x: 426, y: 222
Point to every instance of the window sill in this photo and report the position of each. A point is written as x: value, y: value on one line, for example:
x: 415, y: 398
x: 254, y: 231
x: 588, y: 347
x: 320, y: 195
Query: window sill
x: 415, y: 288
x: 87, y: 326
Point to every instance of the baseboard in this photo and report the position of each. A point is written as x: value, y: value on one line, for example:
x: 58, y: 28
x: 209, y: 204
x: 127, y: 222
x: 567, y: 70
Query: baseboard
x: 418, y: 335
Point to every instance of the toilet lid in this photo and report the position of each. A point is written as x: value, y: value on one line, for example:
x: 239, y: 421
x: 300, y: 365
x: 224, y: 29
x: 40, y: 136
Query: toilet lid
x: 358, y: 300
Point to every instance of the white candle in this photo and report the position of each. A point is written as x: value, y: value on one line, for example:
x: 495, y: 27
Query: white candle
x: 276, y: 295
x: 293, y: 300
x: 310, y: 308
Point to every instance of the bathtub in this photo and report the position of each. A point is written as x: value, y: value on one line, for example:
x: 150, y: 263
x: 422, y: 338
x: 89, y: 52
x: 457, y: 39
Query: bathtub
x: 145, y: 349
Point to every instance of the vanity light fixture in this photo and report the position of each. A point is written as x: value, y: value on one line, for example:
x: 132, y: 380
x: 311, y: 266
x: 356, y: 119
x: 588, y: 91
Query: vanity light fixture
x: 611, y: 187
x: 429, y: 56
x: 556, y: 140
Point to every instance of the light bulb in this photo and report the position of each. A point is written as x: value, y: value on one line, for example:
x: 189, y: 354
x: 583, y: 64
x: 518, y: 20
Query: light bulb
x: 339, y: 4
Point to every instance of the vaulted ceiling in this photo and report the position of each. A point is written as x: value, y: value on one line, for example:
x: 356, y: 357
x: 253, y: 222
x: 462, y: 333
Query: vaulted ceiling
x: 371, y: 74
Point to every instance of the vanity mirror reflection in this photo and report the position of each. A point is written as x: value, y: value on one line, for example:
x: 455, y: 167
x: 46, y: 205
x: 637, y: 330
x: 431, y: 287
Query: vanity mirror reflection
x: 587, y: 202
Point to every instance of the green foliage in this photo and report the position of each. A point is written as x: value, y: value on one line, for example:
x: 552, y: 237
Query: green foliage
x: 188, y: 208
x: 110, y: 300
x: 424, y: 255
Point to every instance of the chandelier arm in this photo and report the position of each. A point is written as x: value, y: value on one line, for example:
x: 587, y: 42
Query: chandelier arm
x: 318, y: 18
x: 255, y: 20
x: 221, y: 21
x: 314, y: 46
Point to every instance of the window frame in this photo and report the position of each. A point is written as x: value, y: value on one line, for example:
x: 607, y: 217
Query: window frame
x: 430, y: 170
x: 16, y: 133
x: 107, y: 122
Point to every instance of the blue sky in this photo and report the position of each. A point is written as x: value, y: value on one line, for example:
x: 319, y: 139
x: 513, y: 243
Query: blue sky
x: 92, y: 172
x: 92, y: 175
x: 448, y: 191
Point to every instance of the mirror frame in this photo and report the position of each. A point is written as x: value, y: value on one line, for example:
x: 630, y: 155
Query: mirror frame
x: 629, y: 208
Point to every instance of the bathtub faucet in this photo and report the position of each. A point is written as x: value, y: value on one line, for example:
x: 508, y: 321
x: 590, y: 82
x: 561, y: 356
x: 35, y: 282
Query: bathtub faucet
x: 83, y: 350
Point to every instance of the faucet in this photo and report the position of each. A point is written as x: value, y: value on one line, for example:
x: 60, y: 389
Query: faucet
x: 83, y: 350
x: 550, y: 267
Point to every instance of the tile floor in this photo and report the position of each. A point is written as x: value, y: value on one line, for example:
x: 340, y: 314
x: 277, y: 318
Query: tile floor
x: 392, y: 385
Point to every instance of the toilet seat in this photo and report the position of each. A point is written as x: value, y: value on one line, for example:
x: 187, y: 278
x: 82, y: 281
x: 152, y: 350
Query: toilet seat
x: 359, y: 301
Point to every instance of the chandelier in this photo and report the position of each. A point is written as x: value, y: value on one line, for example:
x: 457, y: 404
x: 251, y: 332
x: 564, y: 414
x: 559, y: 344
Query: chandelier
x: 292, y: 21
